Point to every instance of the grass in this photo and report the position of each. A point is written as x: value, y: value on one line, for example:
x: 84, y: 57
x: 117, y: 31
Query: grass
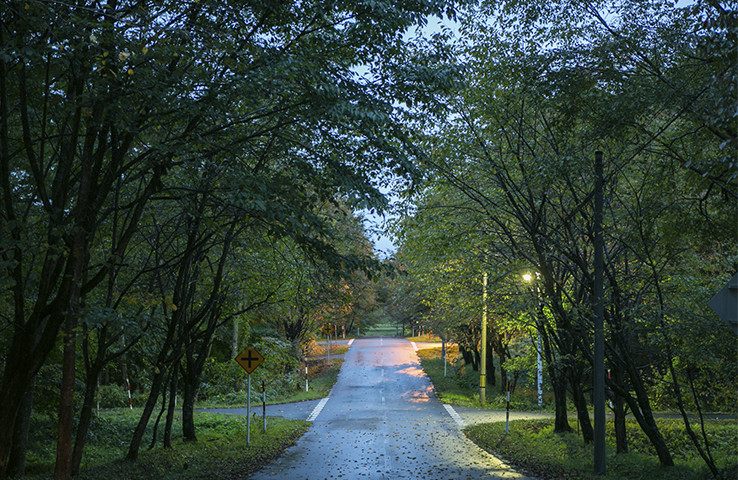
x: 320, y: 350
x: 533, y: 448
x: 320, y: 381
x: 460, y: 385
x: 425, y: 338
x: 220, y: 452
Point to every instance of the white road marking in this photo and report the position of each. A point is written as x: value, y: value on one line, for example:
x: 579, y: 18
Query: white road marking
x: 318, y: 408
x: 454, y: 415
x: 350, y: 342
x: 415, y: 347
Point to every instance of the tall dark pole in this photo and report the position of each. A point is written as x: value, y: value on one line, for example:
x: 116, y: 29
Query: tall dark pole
x: 599, y: 324
x: 483, y: 347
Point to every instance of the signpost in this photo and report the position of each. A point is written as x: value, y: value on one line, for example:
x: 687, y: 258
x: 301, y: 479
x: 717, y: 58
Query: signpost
x: 249, y: 359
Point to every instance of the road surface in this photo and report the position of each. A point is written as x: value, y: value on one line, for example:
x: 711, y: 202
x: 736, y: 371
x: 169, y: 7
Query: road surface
x: 381, y: 421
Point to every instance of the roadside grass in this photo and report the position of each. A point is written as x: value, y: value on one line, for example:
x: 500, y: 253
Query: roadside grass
x: 320, y: 381
x: 221, y: 451
x: 320, y: 349
x: 425, y: 338
x: 460, y: 386
x: 533, y: 448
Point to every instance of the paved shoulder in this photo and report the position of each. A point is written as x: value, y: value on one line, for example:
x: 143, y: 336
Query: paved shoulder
x: 295, y: 411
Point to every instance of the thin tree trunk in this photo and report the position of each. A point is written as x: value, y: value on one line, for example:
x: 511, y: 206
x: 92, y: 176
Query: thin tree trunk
x: 17, y: 461
x: 191, y: 378
x: 64, y: 446
x: 580, y: 402
x: 621, y: 437
x: 167, y: 442
x: 85, y: 417
x: 140, y: 429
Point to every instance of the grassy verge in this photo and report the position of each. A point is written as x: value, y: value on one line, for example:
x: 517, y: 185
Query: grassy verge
x: 320, y: 350
x: 320, y: 381
x: 460, y: 386
x: 221, y: 451
x: 425, y: 338
x: 533, y: 448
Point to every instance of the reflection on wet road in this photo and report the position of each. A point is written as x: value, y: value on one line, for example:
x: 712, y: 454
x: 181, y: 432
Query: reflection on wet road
x: 382, y: 421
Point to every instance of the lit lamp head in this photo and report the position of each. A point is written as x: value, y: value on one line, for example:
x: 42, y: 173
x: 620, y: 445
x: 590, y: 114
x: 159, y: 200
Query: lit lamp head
x: 527, y: 277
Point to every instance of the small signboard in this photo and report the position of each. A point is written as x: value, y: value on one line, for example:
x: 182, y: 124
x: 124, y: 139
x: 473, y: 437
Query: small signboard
x: 249, y: 359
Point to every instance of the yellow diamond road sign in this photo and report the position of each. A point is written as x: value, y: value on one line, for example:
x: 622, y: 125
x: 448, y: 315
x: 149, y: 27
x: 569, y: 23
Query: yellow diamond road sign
x: 249, y: 359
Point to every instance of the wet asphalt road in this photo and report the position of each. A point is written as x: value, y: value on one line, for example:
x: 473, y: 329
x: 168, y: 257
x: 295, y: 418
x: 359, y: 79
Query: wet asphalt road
x: 381, y: 421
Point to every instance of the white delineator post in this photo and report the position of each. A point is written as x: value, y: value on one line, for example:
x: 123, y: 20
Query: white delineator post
x: 128, y: 387
x: 306, y: 374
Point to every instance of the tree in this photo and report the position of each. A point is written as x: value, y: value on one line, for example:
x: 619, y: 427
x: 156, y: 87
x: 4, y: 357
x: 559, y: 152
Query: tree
x: 93, y: 95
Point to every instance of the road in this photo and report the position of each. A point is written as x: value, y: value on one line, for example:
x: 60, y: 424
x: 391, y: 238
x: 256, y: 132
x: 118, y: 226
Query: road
x: 382, y: 421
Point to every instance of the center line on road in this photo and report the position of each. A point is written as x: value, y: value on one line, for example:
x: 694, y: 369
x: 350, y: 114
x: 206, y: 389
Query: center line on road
x: 454, y: 415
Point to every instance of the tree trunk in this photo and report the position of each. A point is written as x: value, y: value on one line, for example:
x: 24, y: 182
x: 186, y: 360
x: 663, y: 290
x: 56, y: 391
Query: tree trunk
x: 167, y: 442
x: 189, y: 391
x: 580, y: 402
x: 138, y: 432
x: 558, y: 385
x: 491, y: 380
x: 85, y: 417
x: 63, y: 468
x: 618, y: 402
x: 17, y: 461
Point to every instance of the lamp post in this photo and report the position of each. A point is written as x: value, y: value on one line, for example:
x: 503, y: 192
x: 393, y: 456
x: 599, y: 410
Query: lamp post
x: 483, y: 359
x: 529, y: 278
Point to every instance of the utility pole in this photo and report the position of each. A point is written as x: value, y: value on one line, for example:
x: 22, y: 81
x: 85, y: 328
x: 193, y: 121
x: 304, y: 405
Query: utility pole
x: 599, y: 323
x: 483, y: 359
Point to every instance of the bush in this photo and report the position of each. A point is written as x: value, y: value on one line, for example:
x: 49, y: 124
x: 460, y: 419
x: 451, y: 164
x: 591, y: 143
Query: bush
x: 112, y: 396
x: 279, y: 372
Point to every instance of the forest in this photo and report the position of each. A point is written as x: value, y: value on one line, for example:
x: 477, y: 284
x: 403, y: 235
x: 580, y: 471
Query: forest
x: 180, y: 179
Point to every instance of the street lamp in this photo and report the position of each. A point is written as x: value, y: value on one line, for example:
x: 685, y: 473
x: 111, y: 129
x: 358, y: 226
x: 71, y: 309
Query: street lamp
x: 483, y: 359
x: 529, y: 278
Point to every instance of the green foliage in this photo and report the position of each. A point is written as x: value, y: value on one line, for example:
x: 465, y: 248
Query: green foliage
x: 221, y: 448
x: 460, y: 385
x: 279, y: 371
x: 321, y: 380
x: 533, y: 447
x: 112, y: 396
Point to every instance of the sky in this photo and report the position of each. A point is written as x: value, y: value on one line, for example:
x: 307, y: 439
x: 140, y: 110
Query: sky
x: 384, y: 243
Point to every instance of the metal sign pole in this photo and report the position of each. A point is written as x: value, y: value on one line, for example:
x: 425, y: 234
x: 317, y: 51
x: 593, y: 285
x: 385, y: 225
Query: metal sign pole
x: 248, y: 412
x: 264, y: 403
